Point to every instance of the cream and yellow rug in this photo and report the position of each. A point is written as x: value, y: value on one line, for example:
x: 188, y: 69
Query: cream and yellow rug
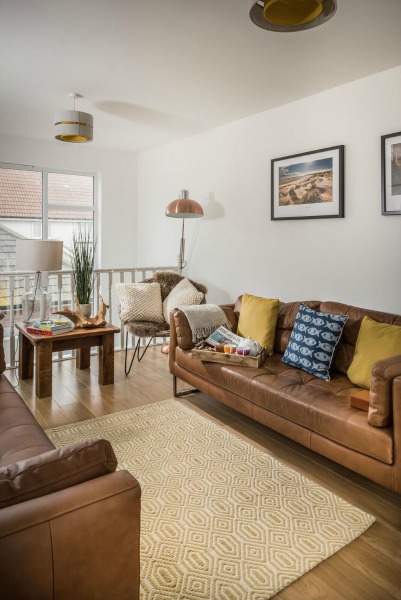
x: 221, y: 519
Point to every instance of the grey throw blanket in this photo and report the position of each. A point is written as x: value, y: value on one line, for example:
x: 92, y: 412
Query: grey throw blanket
x: 203, y: 319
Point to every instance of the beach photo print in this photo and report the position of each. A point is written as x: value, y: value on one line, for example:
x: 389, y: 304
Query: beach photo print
x: 308, y: 185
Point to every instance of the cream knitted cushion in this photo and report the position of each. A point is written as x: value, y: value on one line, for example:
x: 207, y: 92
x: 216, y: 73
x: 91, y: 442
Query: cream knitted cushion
x: 140, y: 302
x: 183, y: 294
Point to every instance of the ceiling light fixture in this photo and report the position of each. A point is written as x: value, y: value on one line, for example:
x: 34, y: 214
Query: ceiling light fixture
x: 291, y: 15
x: 73, y: 125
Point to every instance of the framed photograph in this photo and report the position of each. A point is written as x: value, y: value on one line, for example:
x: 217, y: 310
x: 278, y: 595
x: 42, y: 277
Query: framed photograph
x: 391, y: 174
x: 308, y: 185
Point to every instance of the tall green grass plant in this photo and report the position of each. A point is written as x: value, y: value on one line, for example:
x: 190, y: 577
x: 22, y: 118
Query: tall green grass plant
x: 83, y: 262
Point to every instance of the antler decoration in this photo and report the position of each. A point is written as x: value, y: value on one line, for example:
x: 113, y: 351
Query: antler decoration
x: 78, y: 318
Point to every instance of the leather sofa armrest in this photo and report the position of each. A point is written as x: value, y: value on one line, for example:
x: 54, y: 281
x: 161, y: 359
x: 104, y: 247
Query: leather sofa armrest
x: 81, y: 542
x: 181, y: 335
x: 55, y: 470
x: 397, y: 432
x: 381, y: 391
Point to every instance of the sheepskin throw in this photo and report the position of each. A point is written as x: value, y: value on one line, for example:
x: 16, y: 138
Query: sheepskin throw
x: 169, y: 279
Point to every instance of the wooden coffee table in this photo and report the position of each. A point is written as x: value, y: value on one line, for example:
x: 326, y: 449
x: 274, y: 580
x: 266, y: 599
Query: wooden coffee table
x: 76, y: 339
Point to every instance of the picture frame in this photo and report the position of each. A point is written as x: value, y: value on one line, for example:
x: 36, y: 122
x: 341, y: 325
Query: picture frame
x: 309, y: 185
x: 391, y: 173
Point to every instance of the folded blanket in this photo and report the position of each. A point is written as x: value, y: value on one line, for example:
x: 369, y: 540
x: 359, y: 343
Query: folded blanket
x: 203, y: 319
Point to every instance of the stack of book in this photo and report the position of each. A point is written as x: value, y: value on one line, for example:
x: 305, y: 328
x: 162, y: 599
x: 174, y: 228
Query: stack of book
x: 50, y: 327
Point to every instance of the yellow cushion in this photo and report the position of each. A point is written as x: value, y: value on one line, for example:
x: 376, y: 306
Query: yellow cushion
x: 375, y: 341
x: 257, y: 319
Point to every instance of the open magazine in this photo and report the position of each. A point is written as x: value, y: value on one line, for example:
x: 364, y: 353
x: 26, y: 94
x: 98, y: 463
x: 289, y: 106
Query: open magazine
x: 223, y: 336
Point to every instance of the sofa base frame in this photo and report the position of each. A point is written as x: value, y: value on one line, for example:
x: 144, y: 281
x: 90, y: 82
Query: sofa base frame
x: 178, y: 394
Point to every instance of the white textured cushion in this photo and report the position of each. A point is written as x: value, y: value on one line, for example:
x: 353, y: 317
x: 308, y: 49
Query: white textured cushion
x: 140, y: 302
x: 183, y: 294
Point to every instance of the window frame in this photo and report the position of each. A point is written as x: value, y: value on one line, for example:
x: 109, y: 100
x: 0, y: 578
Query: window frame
x: 46, y: 206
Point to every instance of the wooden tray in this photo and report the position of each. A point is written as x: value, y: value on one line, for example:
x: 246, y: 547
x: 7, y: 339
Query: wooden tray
x: 229, y: 359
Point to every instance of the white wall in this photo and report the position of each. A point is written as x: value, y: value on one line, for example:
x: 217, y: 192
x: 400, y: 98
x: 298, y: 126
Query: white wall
x: 118, y: 185
x: 236, y: 248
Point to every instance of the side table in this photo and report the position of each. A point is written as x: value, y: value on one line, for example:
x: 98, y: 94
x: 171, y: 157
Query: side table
x: 76, y: 339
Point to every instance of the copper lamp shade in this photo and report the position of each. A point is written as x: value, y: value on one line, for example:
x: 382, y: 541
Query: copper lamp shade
x: 291, y: 15
x: 184, y: 207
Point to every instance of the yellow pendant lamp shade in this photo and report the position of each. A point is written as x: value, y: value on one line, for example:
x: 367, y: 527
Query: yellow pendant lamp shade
x: 73, y: 125
x: 286, y: 16
x: 292, y: 12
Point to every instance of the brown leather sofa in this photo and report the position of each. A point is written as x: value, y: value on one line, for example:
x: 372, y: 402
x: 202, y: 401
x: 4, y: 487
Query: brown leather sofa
x: 313, y: 412
x: 69, y: 524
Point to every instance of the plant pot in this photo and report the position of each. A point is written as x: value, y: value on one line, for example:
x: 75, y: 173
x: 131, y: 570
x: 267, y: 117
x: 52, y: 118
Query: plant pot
x: 86, y: 309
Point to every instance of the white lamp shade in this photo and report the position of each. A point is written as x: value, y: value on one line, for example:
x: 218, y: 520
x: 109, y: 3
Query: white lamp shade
x: 73, y: 126
x: 39, y: 255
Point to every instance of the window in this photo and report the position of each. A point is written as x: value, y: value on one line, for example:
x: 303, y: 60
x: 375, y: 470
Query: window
x: 43, y: 203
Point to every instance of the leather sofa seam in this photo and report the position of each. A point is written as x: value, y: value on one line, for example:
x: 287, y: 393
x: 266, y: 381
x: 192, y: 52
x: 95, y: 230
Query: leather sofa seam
x: 3, y: 456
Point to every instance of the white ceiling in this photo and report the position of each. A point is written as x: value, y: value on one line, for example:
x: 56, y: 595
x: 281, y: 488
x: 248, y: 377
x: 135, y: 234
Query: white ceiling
x: 153, y: 71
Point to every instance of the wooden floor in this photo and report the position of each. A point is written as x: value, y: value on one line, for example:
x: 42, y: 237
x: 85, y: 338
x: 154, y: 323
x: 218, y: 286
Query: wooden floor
x: 367, y: 569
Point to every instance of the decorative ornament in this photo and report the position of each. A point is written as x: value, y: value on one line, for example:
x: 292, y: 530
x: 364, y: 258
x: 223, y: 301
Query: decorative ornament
x: 80, y: 320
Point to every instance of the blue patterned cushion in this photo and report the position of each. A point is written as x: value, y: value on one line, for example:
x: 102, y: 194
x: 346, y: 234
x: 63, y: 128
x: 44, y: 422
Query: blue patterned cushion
x: 313, y: 341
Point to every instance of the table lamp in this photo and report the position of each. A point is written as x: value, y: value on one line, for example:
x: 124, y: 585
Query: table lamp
x: 41, y: 256
x: 184, y: 208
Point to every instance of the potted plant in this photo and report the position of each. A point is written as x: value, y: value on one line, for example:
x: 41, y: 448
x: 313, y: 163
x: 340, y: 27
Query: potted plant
x: 83, y: 260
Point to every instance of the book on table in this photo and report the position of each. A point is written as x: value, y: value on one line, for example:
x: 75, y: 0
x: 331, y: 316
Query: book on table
x: 50, y: 327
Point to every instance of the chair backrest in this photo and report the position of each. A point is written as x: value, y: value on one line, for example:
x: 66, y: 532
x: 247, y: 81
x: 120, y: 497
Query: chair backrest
x: 169, y: 279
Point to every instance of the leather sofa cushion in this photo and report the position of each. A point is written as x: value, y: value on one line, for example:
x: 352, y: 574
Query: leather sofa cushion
x: 55, y: 470
x: 287, y: 313
x: 235, y: 379
x: 320, y: 406
x: 346, y: 348
x: 20, y: 434
x: 323, y: 407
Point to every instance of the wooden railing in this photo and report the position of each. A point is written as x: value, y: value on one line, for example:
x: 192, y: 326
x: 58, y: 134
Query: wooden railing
x: 61, y: 285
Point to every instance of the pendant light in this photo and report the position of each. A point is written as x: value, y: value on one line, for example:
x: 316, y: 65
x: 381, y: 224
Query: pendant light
x: 291, y: 15
x: 74, y: 126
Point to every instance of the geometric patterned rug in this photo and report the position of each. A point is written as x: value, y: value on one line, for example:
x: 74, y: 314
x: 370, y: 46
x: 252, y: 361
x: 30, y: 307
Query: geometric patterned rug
x: 221, y: 519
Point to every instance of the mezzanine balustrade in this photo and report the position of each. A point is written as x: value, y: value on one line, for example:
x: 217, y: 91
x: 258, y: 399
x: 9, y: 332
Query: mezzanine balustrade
x: 61, y: 285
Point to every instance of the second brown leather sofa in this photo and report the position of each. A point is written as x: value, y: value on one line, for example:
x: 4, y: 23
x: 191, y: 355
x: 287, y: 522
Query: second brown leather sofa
x: 69, y: 524
x: 313, y: 412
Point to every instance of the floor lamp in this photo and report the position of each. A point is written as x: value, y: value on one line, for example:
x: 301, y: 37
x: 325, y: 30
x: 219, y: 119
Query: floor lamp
x: 184, y: 208
x: 41, y: 256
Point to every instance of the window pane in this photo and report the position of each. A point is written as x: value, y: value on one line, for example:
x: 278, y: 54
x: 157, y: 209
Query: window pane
x: 20, y: 211
x: 63, y: 227
x: 70, y: 189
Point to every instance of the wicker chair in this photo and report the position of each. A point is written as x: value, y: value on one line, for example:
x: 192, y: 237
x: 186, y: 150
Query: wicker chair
x: 146, y: 329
